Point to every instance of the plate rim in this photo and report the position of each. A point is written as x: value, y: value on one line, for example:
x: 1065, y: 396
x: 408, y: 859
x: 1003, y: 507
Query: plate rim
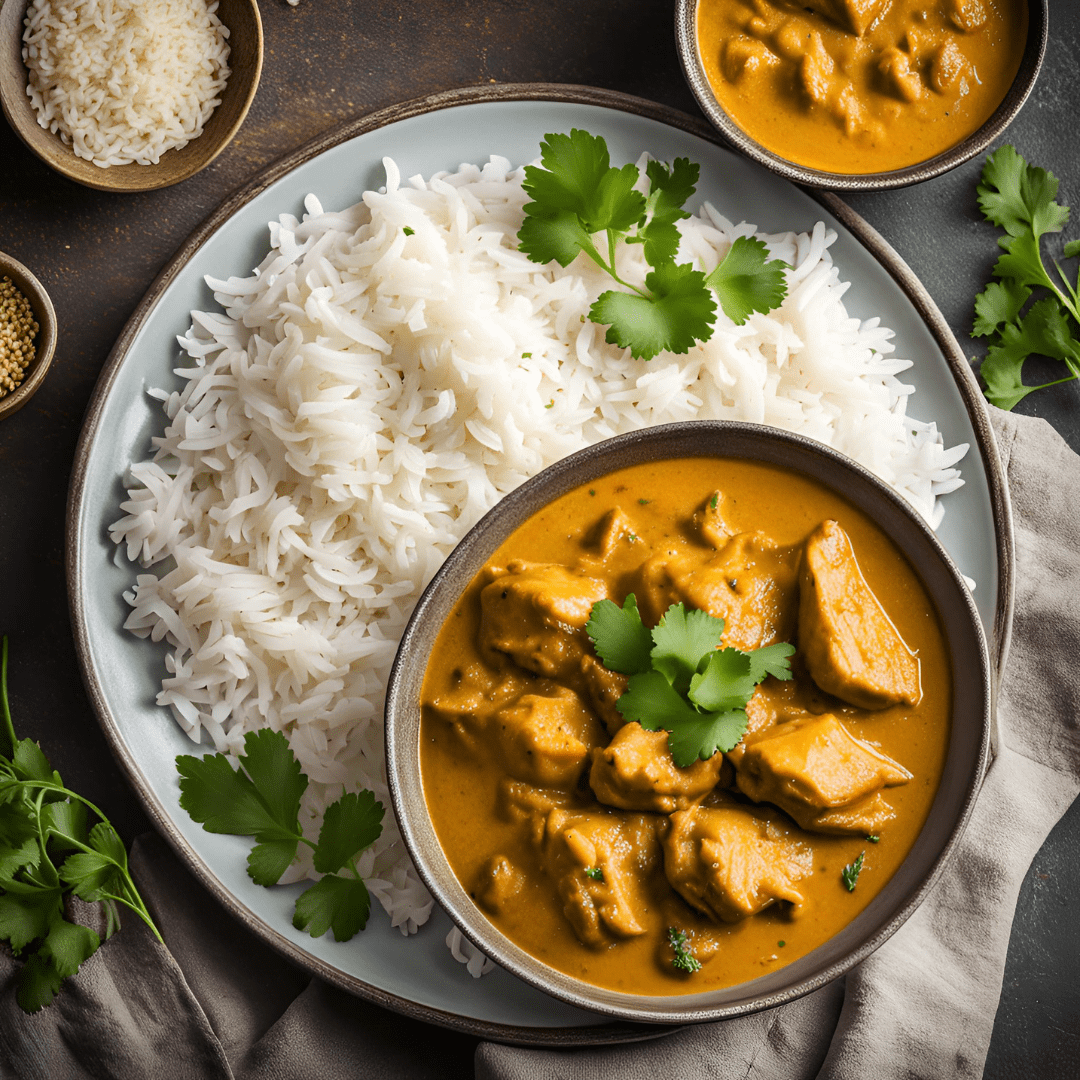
x: 605, y: 1033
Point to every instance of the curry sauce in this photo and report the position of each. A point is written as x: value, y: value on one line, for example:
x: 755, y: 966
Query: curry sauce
x: 860, y: 86
x: 576, y: 833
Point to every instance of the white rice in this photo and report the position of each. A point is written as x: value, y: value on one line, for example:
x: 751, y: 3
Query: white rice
x: 123, y: 81
x: 367, y: 394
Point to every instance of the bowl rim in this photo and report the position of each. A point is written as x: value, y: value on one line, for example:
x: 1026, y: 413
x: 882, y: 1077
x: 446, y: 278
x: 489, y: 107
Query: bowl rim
x: 49, y: 148
x: 1018, y: 93
x: 706, y: 438
x: 45, y: 346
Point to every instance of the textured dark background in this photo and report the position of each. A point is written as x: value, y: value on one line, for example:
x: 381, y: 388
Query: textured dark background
x: 331, y: 60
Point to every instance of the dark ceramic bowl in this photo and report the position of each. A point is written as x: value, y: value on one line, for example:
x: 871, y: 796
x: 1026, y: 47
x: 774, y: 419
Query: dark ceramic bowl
x: 965, y: 762
x: 976, y: 143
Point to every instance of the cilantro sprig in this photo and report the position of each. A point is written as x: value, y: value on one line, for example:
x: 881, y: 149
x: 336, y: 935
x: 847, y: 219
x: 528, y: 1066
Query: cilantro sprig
x: 578, y: 194
x: 262, y: 799
x: 684, y: 959
x: 681, y: 681
x: 850, y: 873
x: 48, y: 852
x: 1020, y: 199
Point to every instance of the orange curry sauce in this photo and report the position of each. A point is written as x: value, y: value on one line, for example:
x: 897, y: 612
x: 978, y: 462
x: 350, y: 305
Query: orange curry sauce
x: 513, y: 807
x: 860, y: 86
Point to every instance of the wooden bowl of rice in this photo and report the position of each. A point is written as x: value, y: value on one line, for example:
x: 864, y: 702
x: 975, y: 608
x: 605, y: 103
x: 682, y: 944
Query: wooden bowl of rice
x: 125, y: 146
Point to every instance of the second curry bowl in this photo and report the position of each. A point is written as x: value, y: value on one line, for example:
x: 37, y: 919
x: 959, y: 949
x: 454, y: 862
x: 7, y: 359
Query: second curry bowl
x: 635, y: 872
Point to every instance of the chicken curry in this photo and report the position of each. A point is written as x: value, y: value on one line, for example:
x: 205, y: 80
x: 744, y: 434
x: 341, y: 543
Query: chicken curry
x: 575, y: 830
x: 860, y: 86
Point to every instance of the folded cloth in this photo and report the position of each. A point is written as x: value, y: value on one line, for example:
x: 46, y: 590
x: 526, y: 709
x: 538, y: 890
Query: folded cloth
x: 218, y: 1004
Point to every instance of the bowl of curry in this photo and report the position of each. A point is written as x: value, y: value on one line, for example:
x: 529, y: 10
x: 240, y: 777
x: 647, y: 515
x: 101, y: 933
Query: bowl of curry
x: 861, y: 94
x: 689, y: 723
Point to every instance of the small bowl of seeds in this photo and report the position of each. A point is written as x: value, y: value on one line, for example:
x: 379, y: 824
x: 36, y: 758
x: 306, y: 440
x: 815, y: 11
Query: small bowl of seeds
x: 27, y: 334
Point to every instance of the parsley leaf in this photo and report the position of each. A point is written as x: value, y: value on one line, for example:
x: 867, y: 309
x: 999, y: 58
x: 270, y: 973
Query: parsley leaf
x: 1020, y: 199
x: 685, y: 684
x: 684, y: 959
x: 47, y: 853
x: 594, y: 872
x: 577, y: 194
x: 262, y: 799
x: 850, y: 873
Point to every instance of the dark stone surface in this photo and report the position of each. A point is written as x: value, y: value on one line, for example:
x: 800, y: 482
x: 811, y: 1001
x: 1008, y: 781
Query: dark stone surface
x: 331, y: 60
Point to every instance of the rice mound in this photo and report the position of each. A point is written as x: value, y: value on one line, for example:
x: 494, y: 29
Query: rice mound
x: 380, y: 381
x: 123, y: 81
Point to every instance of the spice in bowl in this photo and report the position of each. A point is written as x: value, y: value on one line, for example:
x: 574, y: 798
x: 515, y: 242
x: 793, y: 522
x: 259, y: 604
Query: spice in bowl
x: 18, y: 329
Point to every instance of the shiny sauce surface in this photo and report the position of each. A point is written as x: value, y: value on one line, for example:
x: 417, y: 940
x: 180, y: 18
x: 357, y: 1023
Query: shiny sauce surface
x: 498, y: 819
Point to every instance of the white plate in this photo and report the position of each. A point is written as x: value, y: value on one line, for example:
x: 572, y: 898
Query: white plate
x: 419, y: 976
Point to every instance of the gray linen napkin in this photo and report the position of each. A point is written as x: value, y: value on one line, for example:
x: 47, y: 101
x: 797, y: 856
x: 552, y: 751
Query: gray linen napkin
x: 218, y: 1003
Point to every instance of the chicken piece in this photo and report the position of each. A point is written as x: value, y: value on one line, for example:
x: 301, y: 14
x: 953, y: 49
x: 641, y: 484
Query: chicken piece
x: 499, y: 882
x: 817, y: 71
x: 530, y: 805
x: 618, y: 851
x: 545, y: 740
x: 966, y: 15
x: 729, y: 862
x: 814, y: 769
x: 855, y: 16
x: 900, y: 78
x: 850, y: 645
x: 605, y: 687
x: 472, y: 697
x: 750, y: 583
x: 615, y: 528
x: 745, y: 57
x: 710, y: 522
x: 948, y: 65
x: 536, y: 614
x: 635, y: 772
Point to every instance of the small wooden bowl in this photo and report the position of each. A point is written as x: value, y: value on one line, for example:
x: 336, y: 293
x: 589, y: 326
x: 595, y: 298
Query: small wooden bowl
x: 45, y: 342
x: 245, y: 62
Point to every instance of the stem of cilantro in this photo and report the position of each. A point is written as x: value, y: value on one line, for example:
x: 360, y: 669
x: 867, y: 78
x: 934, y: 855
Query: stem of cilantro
x: 5, y: 710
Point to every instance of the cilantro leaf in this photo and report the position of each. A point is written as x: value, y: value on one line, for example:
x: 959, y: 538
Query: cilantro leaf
x: 680, y: 640
x: 684, y: 959
x: 726, y: 682
x: 67, y: 945
x: 678, y: 314
x: 90, y: 875
x: 340, y: 903
x: 1020, y: 198
x: 771, y: 660
x: 558, y: 237
x: 1000, y: 302
x: 37, y: 984
x: 350, y: 824
x: 705, y: 733
x: 31, y: 764
x: 747, y: 280
x: 25, y: 918
x: 576, y: 194
x: 850, y: 874
x: 619, y: 637
x: 261, y: 799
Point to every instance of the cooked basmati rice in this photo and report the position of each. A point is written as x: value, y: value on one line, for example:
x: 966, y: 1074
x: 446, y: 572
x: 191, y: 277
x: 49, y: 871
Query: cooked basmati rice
x: 123, y: 81
x: 369, y: 392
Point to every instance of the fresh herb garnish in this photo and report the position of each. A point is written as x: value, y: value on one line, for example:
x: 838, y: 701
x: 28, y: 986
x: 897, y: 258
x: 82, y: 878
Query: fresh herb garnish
x: 408, y: 230
x: 851, y: 872
x: 262, y: 799
x: 681, y: 681
x: 47, y: 853
x: 684, y: 959
x: 873, y: 838
x: 1019, y: 198
x: 594, y: 872
x: 577, y: 193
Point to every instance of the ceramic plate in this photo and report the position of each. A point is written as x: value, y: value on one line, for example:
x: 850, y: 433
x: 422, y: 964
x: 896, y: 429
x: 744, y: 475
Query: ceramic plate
x: 419, y: 977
